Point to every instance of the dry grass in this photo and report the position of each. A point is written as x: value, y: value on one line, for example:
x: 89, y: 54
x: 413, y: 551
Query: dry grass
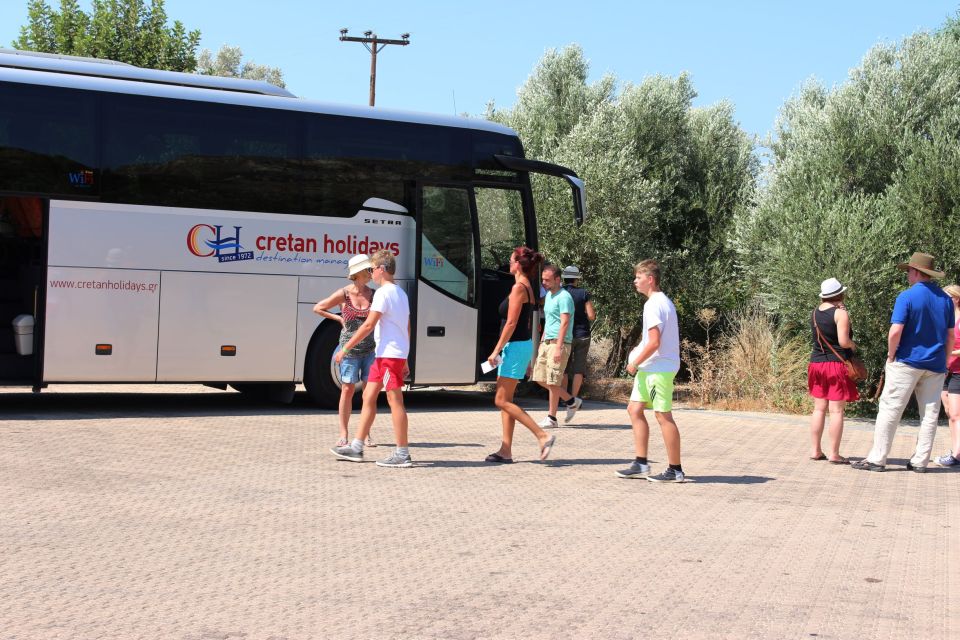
x: 754, y: 366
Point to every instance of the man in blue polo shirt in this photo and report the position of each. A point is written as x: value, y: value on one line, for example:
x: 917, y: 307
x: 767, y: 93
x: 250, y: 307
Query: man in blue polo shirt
x: 920, y: 337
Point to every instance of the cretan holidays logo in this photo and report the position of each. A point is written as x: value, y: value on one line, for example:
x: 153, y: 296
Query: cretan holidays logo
x: 207, y: 241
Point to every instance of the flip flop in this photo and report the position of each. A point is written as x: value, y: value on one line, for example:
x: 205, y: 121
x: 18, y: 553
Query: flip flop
x: 545, y: 450
x: 369, y: 443
x: 840, y: 461
x: 342, y: 442
x: 496, y: 457
x: 820, y: 457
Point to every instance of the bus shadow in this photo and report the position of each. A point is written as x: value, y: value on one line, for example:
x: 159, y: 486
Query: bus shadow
x: 84, y: 405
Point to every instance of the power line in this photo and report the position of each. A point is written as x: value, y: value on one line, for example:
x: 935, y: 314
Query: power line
x: 374, y: 45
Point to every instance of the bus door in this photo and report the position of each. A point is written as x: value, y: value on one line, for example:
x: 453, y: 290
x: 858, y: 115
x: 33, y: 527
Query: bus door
x: 503, y: 226
x: 445, y: 323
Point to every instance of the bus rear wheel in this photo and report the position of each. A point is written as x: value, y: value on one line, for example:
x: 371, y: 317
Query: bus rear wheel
x: 318, y: 370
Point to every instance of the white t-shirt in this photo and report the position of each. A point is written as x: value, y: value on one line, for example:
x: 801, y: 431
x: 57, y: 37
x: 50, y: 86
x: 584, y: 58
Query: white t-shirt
x: 391, y: 335
x: 658, y: 311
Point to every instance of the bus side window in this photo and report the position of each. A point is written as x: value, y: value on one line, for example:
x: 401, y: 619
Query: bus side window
x: 208, y: 156
x: 502, y: 229
x: 48, y: 141
x: 447, y: 249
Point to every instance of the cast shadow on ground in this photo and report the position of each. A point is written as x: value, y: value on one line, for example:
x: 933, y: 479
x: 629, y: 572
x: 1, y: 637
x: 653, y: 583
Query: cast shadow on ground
x: 456, y: 464
x: 729, y: 479
x: 441, y: 445
x: 599, y: 427
x: 576, y: 462
x: 900, y: 464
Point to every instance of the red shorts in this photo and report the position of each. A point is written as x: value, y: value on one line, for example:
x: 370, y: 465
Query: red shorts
x: 389, y: 371
x: 829, y: 380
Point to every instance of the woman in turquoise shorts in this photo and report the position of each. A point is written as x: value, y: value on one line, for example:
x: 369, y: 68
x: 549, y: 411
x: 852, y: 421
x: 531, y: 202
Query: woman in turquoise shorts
x: 516, y: 345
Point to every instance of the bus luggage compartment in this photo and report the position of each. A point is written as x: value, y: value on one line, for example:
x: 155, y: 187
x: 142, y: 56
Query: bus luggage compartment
x: 101, y: 324
x: 220, y: 327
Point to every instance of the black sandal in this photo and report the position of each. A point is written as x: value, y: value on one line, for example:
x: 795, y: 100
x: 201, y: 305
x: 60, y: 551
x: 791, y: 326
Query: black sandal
x: 496, y: 457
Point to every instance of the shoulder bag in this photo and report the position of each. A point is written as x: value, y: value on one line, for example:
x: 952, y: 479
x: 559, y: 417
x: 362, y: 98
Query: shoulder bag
x: 856, y: 370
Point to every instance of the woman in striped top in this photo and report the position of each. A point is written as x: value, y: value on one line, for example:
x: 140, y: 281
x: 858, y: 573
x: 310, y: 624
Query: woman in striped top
x: 354, y: 302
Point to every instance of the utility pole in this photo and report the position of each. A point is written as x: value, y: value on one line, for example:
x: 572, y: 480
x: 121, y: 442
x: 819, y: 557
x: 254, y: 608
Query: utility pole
x: 374, y: 45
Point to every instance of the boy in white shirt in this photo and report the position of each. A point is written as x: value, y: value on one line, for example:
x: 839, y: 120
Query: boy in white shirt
x: 389, y: 319
x: 655, y: 361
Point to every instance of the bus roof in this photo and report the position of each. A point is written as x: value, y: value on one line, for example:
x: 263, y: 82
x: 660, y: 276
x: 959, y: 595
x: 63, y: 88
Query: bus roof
x: 97, y: 68
x: 116, y: 77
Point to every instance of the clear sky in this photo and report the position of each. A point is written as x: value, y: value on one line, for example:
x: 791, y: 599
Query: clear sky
x: 462, y: 55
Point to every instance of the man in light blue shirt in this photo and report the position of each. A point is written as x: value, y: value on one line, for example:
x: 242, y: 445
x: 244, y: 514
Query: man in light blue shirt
x: 920, y: 338
x: 555, y: 344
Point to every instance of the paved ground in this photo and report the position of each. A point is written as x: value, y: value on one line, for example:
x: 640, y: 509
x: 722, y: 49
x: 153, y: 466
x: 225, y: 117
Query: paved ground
x: 199, y: 516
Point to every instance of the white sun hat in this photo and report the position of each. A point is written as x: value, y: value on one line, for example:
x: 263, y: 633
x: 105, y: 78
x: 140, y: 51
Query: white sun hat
x: 358, y: 263
x: 831, y: 287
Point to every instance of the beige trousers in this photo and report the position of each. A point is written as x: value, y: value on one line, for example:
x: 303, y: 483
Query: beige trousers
x: 902, y: 381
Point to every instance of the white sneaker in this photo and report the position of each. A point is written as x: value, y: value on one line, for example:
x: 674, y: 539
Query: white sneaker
x: 572, y: 409
x: 549, y: 423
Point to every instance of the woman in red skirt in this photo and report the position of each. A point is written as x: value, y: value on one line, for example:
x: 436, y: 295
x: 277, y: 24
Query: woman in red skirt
x: 827, y: 378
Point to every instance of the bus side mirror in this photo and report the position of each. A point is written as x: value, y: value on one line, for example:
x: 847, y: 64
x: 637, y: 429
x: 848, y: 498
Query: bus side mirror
x: 579, y: 198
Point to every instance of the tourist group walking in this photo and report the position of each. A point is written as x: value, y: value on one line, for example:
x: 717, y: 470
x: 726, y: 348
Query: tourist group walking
x: 922, y: 361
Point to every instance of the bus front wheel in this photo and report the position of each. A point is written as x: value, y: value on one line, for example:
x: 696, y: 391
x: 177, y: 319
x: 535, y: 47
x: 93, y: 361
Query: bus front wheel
x: 318, y: 372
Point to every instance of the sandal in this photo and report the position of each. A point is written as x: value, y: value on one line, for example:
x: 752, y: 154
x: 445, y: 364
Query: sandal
x: 820, y: 457
x: 547, y: 447
x: 840, y: 461
x: 342, y: 442
x: 369, y: 442
x: 496, y: 457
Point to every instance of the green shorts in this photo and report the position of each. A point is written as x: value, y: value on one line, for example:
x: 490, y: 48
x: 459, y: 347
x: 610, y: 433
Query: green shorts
x: 654, y: 390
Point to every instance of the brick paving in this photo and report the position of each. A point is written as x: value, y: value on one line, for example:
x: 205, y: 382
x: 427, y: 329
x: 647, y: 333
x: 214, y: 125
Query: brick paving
x: 203, y: 517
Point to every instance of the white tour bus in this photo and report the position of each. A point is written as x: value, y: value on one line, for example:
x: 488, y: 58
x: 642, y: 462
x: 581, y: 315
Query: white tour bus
x: 168, y: 227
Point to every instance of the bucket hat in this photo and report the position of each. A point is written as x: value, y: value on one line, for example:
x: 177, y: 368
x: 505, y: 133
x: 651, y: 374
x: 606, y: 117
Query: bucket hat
x: 570, y: 272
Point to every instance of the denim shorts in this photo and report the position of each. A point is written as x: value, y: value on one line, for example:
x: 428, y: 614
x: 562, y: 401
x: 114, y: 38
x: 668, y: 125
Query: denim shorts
x: 353, y: 370
x: 516, y: 359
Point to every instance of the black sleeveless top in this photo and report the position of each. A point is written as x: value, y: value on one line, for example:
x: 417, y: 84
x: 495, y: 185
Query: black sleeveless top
x: 828, y: 330
x: 523, y: 331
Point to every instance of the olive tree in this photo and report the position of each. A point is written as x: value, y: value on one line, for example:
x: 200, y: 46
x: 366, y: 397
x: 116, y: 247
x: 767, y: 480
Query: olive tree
x: 664, y: 180
x: 861, y: 176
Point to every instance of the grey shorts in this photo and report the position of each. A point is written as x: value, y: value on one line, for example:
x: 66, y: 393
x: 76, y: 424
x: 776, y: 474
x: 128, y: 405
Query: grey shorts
x: 951, y: 382
x: 578, y: 357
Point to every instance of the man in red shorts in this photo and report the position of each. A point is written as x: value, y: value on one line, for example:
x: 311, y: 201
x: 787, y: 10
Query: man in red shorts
x: 389, y: 319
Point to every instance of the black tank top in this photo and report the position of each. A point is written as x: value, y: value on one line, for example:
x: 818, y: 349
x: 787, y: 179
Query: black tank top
x: 524, y: 328
x: 828, y: 329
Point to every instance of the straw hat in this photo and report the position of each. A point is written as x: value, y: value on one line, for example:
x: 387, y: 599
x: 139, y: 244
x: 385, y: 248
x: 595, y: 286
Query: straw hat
x: 357, y: 264
x: 922, y: 262
x: 831, y: 287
